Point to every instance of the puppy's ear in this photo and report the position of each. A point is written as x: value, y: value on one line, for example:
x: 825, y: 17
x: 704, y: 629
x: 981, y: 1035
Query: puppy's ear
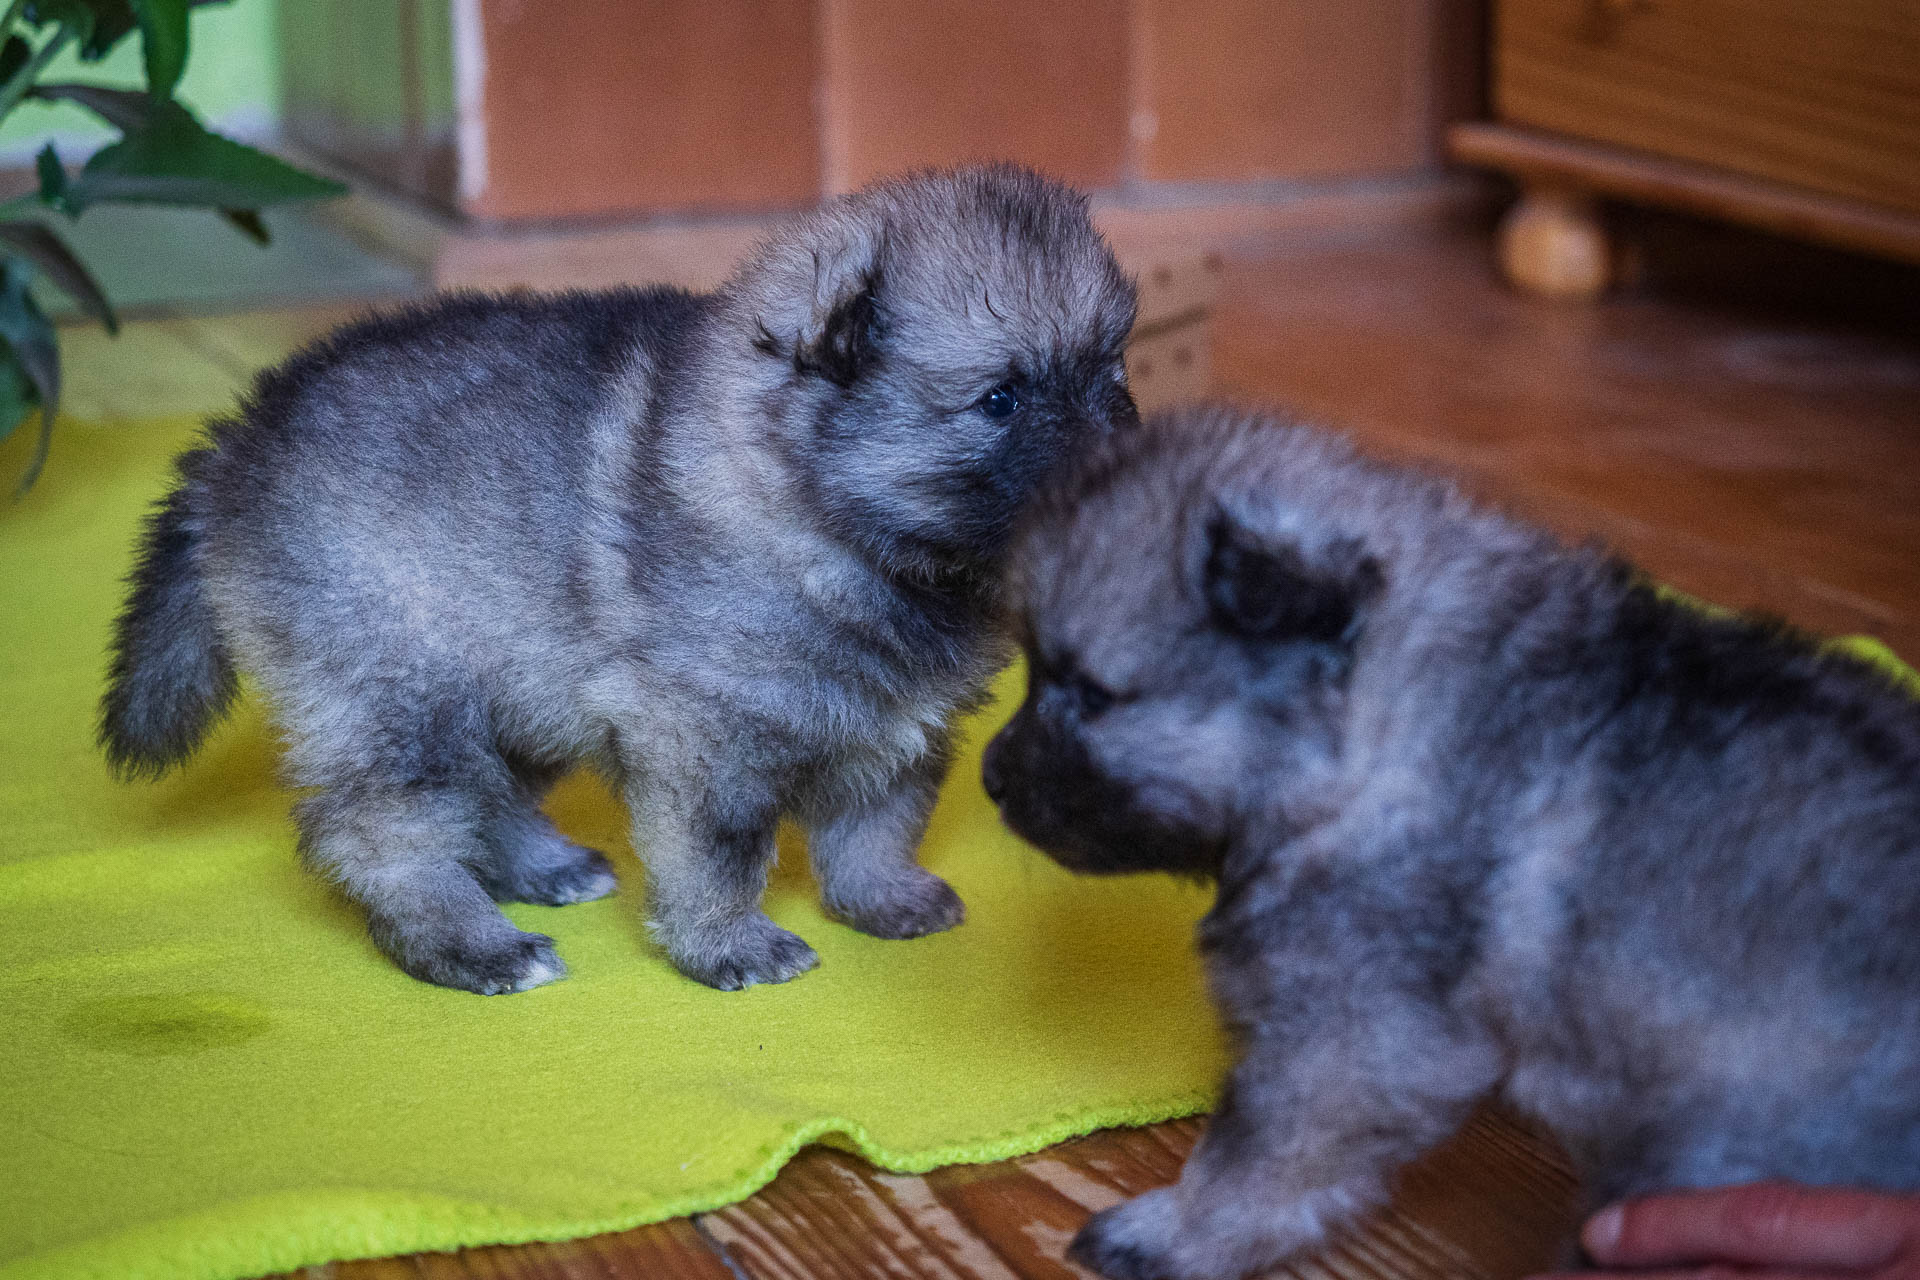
x: 843, y: 348
x: 837, y: 338
x: 1274, y: 592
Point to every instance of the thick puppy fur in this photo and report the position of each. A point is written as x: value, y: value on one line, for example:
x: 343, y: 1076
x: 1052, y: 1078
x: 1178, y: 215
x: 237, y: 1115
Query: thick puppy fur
x: 1488, y: 817
x: 738, y: 551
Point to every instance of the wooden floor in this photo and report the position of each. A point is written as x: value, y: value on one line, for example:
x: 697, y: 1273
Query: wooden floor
x: 1761, y: 452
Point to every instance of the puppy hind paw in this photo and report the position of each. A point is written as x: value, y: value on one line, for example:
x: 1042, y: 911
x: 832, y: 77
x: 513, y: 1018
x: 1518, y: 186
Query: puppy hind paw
x: 748, y: 954
x: 586, y: 877
x: 490, y: 965
x: 547, y: 870
x: 910, y: 906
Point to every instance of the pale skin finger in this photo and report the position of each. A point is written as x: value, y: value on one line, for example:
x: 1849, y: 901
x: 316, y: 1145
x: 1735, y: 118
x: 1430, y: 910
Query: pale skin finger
x: 1715, y: 1271
x: 1760, y: 1230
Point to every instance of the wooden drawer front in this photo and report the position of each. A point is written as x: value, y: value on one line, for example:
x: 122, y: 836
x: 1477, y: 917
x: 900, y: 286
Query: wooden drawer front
x: 1823, y: 94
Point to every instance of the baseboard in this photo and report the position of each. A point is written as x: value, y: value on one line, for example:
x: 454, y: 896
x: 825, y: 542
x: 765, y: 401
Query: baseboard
x: 1147, y: 223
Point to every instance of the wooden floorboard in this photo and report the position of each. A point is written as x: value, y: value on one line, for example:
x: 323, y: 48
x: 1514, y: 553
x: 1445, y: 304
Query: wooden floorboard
x: 1491, y: 1205
x: 668, y: 1249
x: 1758, y: 456
x: 1761, y: 457
x: 830, y: 1214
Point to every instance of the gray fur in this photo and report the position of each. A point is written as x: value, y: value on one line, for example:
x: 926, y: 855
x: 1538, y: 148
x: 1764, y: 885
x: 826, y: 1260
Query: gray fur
x: 738, y: 551
x: 1488, y: 816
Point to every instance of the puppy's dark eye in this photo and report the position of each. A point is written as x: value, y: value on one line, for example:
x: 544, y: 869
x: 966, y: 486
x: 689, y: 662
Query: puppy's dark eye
x: 1001, y: 402
x: 1094, y: 699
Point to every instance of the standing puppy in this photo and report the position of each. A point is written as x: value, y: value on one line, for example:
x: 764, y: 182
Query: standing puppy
x: 738, y: 551
x: 1487, y: 816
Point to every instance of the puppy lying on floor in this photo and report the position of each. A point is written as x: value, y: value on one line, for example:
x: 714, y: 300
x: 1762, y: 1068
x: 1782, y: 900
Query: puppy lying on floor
x: 1487, y: 816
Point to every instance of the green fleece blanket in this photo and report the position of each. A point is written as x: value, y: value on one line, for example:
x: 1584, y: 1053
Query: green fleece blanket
x: 206, y: 1070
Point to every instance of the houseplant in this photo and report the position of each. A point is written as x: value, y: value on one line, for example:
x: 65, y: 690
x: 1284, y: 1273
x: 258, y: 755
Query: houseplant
x: 163, y: 155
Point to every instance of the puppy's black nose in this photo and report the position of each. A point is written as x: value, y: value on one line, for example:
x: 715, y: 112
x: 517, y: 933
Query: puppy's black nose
x: 991, y: 776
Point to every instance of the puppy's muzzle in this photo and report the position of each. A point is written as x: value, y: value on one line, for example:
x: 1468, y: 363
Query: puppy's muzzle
x: 991, y: 776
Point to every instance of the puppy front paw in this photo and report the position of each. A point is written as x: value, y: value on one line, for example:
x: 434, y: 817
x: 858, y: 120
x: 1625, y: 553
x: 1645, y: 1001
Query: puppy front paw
x: 745, y: 953
x: 1134, y: 1241
x: 1229, y: 1233
x: 911, y: 904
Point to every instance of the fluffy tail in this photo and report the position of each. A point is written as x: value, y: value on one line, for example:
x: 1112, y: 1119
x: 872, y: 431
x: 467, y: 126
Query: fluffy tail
x: 170, y: 679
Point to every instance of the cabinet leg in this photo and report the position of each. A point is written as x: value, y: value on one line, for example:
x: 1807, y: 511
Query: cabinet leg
x: 1552, y: 244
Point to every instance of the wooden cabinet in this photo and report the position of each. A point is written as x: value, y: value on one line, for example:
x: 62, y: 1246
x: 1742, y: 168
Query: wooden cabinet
x: 1800, y: 116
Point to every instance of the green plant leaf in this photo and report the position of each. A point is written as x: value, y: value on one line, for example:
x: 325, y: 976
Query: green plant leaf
x: 250, y: 225
x: 14, y: 56
x: 172, y: 159
x: 99, y: 25
x: 53, y: 179
x: 18, y: 84
x: 163, y: 42
x: 124, y: 109
x: 16, y: 393
x: 112, y: 20
x: 75, y: 17
x: 27, y: 331
x: 40, y: 245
